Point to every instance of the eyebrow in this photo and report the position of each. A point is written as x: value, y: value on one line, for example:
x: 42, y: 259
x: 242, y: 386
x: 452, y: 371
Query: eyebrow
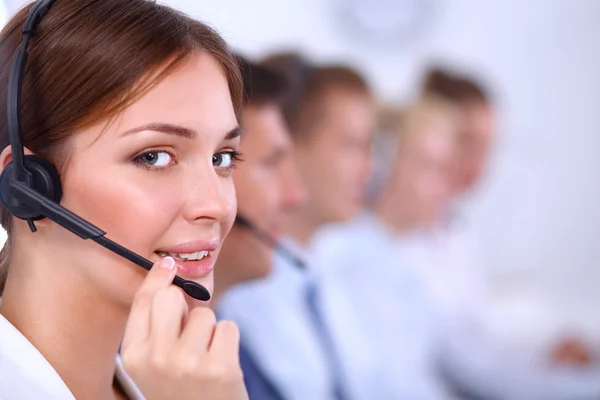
x: 178, y: 130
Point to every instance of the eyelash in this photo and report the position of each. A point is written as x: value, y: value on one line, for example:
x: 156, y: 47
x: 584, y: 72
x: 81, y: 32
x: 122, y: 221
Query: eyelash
x: 236, y: 158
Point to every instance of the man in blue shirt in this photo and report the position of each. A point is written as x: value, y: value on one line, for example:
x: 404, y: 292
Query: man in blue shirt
x: 267, y: 186
x: 284, y: 318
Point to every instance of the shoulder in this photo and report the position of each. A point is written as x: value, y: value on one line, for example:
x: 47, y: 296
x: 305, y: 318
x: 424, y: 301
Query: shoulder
x: 24, y: 372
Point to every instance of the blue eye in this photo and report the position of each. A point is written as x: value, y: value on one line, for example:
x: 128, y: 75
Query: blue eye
x: 226, y: 160
x: 222, y: 160
x: 155, y: 159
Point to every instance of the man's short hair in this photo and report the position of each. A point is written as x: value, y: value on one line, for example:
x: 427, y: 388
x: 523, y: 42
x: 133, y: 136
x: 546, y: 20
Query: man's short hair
x: 261, y: 84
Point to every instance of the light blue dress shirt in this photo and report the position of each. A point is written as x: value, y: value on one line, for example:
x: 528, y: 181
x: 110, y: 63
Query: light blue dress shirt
x: 376, y: 314
x: 276, y: 327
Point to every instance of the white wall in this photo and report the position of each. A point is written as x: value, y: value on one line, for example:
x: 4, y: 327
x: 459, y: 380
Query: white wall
x: 540, y: 210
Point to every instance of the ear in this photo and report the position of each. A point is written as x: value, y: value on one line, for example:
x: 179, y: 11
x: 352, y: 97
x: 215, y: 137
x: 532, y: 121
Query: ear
x: 6, y: 156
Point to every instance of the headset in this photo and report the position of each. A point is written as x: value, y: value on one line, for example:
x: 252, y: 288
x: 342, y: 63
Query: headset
x: 270, y: 241
x: 30, y: 186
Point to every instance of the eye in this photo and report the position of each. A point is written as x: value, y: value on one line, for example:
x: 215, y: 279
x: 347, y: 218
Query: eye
x: 155, y: 159
x: 226, y: 159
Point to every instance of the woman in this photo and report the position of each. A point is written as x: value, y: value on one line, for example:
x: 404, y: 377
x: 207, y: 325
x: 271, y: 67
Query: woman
x: 136, y: 105
x: 386, y: 336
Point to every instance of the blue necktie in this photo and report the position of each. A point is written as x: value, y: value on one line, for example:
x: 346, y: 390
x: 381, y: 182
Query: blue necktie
x: 312, y: 301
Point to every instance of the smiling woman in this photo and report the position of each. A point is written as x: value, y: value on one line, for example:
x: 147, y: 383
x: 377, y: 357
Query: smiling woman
x: 137, y: 107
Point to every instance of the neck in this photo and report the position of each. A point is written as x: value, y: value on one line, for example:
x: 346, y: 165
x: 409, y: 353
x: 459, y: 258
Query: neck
x: 67, y: 322
x: 301, y: 227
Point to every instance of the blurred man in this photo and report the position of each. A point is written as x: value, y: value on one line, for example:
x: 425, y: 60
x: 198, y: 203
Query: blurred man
x: 479, y: 359
x: 267, y: 184
x: 267, y: 187
x: 476, y: 131
x: 390, y: 274
x: 330, y: 112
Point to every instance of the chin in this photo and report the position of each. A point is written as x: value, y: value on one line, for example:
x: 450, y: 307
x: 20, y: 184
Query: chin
x: 347, y: 213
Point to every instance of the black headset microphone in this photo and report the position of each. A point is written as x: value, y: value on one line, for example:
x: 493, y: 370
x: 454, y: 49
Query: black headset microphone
x: 30, y: 186
x: 270, y: 241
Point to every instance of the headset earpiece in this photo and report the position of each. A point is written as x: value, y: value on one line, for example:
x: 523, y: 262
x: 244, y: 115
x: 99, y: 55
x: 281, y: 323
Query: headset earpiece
x: 45, y: 180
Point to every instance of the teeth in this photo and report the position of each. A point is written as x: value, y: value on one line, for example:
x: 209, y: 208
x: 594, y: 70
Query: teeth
x: 185, y: 256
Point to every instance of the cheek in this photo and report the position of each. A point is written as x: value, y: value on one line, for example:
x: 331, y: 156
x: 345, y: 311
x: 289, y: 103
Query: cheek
x: 132, y: 215
x: 229, y: 191
x: 351, y: 169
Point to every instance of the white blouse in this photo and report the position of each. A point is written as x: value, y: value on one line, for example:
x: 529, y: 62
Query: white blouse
x: 26, y: 375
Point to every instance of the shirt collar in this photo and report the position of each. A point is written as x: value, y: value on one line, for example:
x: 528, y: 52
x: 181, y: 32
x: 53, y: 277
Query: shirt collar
x: 25, y: 374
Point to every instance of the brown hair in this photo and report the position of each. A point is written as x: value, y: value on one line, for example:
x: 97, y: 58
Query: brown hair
x: 453, y: 86
x: 426, y: 110
x: 262, y: 85
x: 309, y: 85
x: 91, y: 59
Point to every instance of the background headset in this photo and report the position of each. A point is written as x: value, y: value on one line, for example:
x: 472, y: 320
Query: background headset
x: 30, y: 186
x: 270, y: 241
x: 273, y: 82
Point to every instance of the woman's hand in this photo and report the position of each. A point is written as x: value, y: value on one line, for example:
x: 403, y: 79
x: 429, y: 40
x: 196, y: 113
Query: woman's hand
x: 173, y: 354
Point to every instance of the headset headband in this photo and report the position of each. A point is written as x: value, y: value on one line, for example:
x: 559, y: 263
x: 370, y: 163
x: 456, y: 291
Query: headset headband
x: 15, y: 84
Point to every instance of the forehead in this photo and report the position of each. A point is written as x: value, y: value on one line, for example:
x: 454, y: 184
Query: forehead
x: 478, y: 117
x: 264, y: 127
x: 194, y: 95
x: 340, y: 102
x: 347, y: 113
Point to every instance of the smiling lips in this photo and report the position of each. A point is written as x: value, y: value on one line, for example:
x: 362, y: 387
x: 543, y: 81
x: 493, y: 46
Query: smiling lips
x: 193, y: 259
x: 199, y: 255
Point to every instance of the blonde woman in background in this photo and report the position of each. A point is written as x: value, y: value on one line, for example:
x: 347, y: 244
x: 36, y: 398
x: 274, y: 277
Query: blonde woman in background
x: 377, y: 298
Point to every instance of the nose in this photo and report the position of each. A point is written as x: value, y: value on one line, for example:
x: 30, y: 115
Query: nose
x: 209, y: 196
x: 294, y: 192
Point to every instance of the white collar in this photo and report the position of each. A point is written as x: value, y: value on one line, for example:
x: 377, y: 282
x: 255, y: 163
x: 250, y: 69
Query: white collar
x: 24, y: 372
x: 26, y: 375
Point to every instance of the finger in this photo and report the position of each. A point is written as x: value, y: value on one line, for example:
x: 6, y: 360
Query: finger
x: 226, y: 342
x: 138, y: 324
x: 166, y: 317
x: 198, y: 331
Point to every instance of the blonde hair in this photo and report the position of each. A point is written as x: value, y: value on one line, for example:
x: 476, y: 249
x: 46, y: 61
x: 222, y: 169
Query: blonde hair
x: 429, y: 109
x: 399, y: 126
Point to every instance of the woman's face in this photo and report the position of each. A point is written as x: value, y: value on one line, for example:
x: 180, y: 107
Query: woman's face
x: 423, y: 166
x: 157, y: 180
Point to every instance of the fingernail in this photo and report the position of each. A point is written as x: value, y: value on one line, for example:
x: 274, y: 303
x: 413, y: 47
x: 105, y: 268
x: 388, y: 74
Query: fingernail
x: 167, y: 263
